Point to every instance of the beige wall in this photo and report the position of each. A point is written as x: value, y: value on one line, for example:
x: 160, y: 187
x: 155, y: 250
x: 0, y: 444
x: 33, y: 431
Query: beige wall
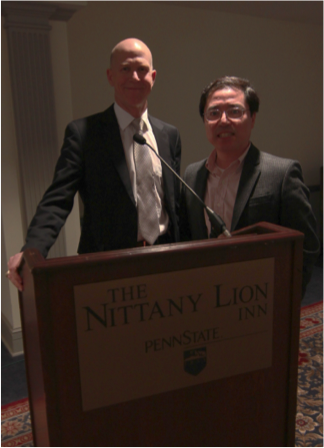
x: 192, y: 47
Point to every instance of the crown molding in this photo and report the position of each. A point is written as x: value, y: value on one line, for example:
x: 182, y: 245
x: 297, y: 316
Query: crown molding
x: 38, y: 13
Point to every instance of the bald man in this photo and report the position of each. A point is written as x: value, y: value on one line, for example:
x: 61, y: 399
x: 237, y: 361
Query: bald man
x: 99, y: 160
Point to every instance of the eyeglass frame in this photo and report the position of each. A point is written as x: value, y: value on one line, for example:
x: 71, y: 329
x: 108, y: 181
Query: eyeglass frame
x: 242, y: 109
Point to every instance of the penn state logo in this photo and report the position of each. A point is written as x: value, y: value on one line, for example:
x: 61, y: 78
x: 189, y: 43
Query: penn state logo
x: 195, y: 360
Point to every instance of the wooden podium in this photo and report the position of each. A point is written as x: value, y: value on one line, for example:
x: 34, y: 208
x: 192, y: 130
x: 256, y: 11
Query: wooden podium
x: 187, y: 344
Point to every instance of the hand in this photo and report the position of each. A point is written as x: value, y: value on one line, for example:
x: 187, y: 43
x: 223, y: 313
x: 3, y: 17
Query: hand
x: 12, y: 273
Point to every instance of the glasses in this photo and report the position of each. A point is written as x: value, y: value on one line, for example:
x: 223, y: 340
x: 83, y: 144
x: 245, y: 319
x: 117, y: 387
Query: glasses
x: 232, y: 113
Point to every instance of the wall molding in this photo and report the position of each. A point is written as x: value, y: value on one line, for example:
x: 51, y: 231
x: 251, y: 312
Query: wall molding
x: 23, y: 11
x: 11, y: 337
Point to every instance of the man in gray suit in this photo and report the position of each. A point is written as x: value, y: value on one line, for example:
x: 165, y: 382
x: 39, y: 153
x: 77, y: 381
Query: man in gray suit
x: 240, y: 183
x: 100, y: 161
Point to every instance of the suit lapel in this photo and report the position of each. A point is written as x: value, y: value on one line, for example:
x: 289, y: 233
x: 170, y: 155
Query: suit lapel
x: 116, y: 150
x: 200, y: 186
x: 249, y: 177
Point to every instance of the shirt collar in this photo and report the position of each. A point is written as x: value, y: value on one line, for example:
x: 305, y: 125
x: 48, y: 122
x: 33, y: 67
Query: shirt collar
x: 211, y: 163
x: 124, y: 118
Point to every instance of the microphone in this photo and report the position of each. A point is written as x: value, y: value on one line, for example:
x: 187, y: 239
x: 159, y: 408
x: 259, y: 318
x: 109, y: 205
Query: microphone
x: 217, y: 224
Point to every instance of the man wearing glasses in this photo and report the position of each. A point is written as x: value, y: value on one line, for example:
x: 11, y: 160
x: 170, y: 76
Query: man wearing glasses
x: 240, y: 183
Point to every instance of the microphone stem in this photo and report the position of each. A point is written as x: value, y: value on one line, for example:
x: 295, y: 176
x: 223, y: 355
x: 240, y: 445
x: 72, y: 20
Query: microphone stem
x: 213, y: 218
x: 174, y: 172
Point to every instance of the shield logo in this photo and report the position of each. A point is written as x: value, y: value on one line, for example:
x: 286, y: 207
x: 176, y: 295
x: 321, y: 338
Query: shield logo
x: 195, y: 360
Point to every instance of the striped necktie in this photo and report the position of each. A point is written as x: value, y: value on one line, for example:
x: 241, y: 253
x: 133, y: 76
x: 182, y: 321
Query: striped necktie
x: 148, y: 223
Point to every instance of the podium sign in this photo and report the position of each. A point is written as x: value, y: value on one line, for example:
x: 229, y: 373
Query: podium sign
x: 176, y: 326
x: 188, y: 344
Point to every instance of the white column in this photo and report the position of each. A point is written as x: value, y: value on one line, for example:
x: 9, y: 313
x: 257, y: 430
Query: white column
x: 29, y: 134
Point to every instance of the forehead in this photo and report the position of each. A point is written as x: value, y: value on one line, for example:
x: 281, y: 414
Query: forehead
x: 227, y: 96
x: 131, y: 57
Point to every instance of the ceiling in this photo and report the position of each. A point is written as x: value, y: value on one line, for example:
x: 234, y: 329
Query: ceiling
x: 294, y: 11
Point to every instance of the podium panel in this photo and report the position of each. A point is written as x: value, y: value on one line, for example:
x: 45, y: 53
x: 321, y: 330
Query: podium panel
x: 187, y: 344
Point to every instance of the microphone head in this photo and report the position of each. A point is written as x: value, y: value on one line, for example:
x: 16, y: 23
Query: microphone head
x: 138, y: 138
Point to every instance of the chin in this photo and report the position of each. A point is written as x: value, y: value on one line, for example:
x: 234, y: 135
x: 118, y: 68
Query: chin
x: 136, y: 100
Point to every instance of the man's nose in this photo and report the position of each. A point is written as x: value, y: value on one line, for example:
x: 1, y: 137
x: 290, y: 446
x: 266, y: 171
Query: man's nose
x: 223, y: 118
x: 135, y: 75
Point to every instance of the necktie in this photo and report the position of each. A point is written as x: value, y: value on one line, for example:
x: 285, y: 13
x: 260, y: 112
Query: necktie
x: 148, y: 223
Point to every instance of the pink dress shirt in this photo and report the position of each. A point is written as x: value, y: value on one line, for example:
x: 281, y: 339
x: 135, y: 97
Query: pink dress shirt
x: 222, y: 185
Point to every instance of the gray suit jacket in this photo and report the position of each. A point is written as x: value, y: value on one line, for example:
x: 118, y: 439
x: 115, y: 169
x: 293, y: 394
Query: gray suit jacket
x: 271, y: 189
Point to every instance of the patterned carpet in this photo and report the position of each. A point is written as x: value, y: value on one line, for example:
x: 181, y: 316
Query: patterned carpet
x: 16, y: 424
x: 309, y: 418
x: 15, y: 417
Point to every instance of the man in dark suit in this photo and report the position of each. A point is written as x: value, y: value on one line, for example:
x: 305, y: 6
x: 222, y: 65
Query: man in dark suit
x: 99, y: 159
x: 240, y: 183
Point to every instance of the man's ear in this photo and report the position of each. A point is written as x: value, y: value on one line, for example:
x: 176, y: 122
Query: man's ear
x: 153, y: 75
x: 110, y: 77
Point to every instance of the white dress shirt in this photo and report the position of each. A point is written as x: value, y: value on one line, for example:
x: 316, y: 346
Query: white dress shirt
x: 222, y: 185
x: 125, y: 120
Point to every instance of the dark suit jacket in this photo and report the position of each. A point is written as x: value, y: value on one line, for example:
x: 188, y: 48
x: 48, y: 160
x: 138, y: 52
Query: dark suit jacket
x: 92, y: 161
x: 271, y: 189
